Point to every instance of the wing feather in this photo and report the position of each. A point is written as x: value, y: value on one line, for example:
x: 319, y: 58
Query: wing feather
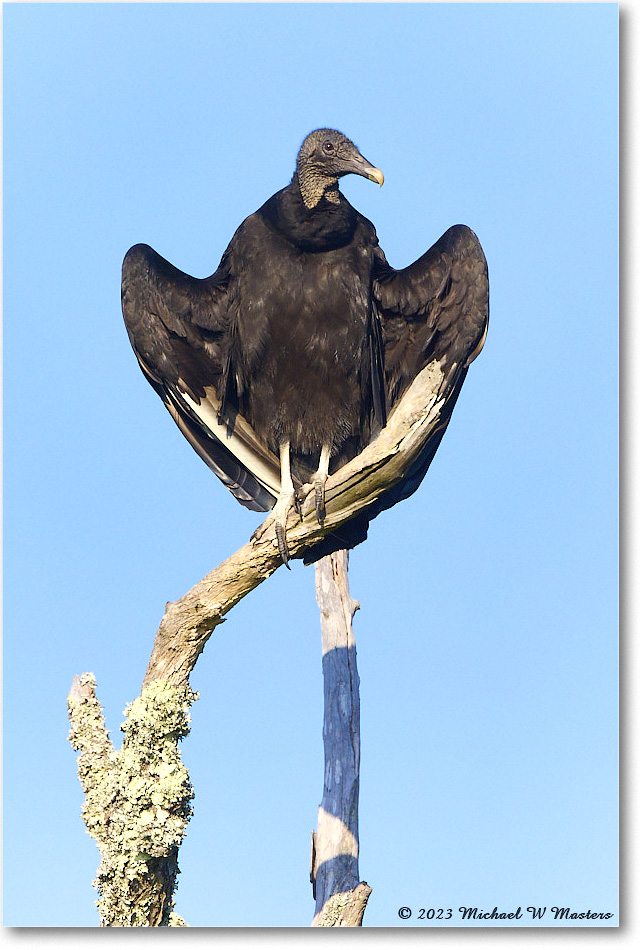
x: 437, y: 308
x: 180, y: 329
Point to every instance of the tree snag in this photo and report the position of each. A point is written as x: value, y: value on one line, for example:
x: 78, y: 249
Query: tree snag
x: 340, y: 897
x: 138, y: 799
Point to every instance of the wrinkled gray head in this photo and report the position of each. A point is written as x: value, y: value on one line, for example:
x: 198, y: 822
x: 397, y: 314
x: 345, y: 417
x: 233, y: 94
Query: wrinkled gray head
x: 325, y: 156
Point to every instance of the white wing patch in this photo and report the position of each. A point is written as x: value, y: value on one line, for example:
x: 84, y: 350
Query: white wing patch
x: 241, y: 440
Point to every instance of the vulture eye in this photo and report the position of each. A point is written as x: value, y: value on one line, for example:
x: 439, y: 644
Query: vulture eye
x: 328, y: 147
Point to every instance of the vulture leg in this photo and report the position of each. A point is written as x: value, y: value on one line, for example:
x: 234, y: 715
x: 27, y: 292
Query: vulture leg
x: 319, y: 479
x: 284, y: 501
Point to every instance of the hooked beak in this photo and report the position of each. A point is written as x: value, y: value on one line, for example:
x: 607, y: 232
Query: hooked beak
x: 361, y: 166
x: 375, y: 174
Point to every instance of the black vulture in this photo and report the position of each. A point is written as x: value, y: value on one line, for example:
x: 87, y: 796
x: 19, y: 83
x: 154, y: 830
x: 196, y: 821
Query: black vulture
x: 284, y: 363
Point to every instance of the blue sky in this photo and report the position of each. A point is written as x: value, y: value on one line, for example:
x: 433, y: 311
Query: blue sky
x: 487, y: 635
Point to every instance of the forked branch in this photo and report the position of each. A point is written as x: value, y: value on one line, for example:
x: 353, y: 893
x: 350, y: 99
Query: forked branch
x: 139, y: 798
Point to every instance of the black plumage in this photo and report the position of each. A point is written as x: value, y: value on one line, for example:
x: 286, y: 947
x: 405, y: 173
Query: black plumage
x: 284, y: 363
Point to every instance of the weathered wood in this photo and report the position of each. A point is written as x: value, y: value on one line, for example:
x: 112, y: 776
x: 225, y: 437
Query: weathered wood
x: 344, y: 910
x: 189, y: 622
x: 137, y: 800
x: 335, y: 844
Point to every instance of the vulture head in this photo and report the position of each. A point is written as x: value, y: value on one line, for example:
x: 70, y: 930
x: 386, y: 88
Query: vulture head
x: 325, y: 156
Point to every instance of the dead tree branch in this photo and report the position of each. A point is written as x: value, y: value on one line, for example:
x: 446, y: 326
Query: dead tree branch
x: 138, y: 799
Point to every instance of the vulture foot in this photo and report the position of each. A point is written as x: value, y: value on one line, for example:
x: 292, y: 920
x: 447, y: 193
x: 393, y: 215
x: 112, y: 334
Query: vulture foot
x: 319, y: 479
x: 279, y: 531
x: 276, y: 521
x: 285, y: 501
x: 319, y: 496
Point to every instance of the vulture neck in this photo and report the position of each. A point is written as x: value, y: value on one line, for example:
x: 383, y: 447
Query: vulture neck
x: 314, y: 186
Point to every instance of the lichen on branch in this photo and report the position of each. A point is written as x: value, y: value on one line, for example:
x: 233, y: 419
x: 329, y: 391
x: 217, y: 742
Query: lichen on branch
x: 138, y: 799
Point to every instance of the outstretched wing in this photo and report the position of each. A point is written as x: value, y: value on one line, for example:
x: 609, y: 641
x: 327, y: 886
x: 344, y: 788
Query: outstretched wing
x: 437, y: 308
x: 180, y: 329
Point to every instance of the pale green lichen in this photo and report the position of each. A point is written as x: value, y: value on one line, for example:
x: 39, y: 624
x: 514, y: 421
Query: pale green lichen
x: 138, y: 803
x: 335, y: 907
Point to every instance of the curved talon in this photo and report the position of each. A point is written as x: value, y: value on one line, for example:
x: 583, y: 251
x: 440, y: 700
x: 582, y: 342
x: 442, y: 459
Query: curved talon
x: 319, y: 479
x: 319, y: 497
x: 279, y: 531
